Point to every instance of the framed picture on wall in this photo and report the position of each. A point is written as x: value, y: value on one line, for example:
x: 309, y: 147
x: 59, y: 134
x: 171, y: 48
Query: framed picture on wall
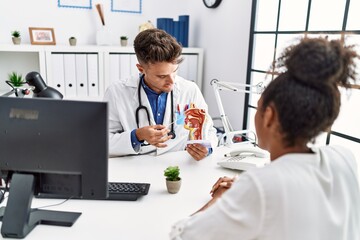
x: 128, y: 6
x: 75, y: 4
x: 42, y: 36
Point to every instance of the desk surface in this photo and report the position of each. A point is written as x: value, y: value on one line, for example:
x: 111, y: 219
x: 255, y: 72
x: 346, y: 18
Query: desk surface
x: 151, y: 216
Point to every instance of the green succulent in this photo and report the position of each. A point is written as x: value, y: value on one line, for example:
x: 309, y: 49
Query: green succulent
x: 124, y: 38
x: 172, y: 173
x: 16, y: 79
x: 15, y: 34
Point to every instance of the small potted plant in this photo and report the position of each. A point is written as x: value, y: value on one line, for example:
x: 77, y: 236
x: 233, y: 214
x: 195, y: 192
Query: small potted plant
x: 72, y: 41
x: 16, y: 37
x: 173, y: 181
x: 123, y: 41
x: 15, y: 80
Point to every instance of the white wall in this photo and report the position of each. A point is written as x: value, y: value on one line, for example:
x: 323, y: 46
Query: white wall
x: 81, y: 23
x: 222, y: 32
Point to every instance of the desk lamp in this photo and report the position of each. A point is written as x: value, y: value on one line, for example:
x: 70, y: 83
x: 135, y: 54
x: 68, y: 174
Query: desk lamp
x: 41, y: 89
x: 217, y: 85
x: 37, y: 85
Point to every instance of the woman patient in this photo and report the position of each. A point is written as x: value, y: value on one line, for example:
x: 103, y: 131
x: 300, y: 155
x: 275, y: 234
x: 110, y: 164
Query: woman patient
x: 305, y: 193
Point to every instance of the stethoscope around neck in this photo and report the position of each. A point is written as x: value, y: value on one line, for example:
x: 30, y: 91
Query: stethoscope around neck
x: 142, y: 107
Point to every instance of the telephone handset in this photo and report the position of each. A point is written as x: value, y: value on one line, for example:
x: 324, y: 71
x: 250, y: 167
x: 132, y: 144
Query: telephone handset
x: 245, y: 158
x: 248, y: 150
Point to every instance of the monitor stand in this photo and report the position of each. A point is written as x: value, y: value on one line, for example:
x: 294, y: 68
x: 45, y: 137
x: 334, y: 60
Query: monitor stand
x: 18, y: 218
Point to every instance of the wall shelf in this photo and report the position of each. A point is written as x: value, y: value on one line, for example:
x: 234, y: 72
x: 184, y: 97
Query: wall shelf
x: 84, y: 71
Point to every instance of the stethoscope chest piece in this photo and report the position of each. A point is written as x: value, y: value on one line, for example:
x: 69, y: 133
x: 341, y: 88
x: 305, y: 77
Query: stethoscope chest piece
x: 172, y: 134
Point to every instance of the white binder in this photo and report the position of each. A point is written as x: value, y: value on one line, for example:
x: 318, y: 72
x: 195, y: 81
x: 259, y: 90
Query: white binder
x: 58, y: 78
x: 81, y: 75
x: 70, y: 75
x: 125, y: 66
x: 114, y: 68
x: 93, y: 75
x: 133, y: 69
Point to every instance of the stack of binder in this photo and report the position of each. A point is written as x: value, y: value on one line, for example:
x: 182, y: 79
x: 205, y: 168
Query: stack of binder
x: 178, y: 29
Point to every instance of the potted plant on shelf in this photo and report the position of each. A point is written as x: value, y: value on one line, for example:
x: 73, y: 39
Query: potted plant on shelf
x: 15, y: 80
x: 72, y: 41
x: 16, y: 37
x: 173, y: 181
x: 123, y: 41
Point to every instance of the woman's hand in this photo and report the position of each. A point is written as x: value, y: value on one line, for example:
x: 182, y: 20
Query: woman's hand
x: 221, y: 185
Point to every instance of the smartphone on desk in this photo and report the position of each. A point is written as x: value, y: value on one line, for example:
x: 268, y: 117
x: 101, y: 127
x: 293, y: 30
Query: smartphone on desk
x: 245, y: 157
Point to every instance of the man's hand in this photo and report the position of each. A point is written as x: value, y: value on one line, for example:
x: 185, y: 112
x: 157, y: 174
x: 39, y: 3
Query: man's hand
x: 155, y: 135
x: 197, y: 151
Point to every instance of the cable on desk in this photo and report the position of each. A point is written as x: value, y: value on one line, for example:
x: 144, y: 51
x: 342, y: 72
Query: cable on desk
x: 52, y: 205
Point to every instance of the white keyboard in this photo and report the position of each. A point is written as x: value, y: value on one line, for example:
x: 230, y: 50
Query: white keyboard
x: 243, y: 162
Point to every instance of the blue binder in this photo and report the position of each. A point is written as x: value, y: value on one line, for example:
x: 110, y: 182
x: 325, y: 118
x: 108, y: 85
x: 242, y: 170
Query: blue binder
x: 178, y: 29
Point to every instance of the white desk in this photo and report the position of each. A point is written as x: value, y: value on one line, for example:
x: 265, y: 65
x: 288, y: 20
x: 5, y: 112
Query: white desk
x: 151, y: 216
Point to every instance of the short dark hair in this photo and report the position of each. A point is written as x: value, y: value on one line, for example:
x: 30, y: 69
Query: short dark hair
x: 155, y: 45
x: 306, y: 94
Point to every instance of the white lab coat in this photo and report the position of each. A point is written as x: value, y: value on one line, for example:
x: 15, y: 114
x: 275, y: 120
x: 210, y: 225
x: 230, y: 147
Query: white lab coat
x: 122, y: 98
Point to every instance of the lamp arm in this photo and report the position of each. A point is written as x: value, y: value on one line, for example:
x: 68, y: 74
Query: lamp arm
x: 236, y: 87
x: 19, y: 92
x: 12, y: 91
x: 224, y: 119
x: 239, y: 87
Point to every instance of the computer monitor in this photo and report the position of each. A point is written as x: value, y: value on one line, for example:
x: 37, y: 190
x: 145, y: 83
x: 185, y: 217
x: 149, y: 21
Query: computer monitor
x: 50, y: 146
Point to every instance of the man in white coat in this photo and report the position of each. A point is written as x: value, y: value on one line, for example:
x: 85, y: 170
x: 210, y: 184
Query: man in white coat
x: 144, y: 110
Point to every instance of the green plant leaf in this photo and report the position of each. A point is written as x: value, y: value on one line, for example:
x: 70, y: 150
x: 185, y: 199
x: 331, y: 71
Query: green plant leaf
x: 16, y: 79
x: 15, y: 33
x: 172, y: 173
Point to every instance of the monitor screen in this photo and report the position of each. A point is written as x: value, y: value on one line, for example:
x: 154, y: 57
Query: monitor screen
x: 59, y: 145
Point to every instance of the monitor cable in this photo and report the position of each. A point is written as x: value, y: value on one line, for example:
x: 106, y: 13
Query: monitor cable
x: 52, y: 205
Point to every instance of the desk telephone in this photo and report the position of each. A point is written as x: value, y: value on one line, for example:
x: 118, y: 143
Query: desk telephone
x: 245, y: 158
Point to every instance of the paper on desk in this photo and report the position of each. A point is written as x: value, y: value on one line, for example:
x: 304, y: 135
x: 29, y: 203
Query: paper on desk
x: 205, y: 143
x: 176, y: 144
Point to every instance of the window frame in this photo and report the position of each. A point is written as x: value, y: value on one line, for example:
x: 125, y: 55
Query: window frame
x: 343, y: 32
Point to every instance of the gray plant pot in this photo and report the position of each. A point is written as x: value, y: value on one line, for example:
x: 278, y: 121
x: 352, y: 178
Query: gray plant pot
x: 16, y: 40
x: 72, y: 41
x: 173, y: 186
x: 123, y: 42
